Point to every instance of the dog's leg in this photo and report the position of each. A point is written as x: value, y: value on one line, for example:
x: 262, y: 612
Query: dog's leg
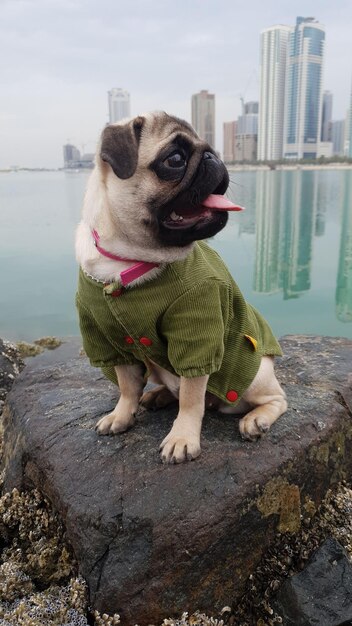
x: 183, y: 441
x: 268, y: 398
x: 131, y: 383
x: 167, y: 391
x: 157, y: 398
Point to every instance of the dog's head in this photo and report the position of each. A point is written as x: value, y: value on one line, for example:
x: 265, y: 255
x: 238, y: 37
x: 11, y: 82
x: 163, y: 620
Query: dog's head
x: 157, y: 173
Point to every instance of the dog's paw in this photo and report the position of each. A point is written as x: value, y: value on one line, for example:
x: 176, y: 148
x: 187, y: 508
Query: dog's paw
x: 157, y: 398
x: 178, y: 449
x: 252, y: 426
x: 112, y: 424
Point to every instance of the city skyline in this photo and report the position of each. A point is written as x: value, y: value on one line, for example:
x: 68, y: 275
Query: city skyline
x: 295, y: 112
x: 63, y: 57
x: 258, y: 134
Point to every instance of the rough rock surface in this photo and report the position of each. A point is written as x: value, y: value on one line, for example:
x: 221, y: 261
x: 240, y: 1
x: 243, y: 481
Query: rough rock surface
x: 155, y: 540
x: 322, y: 593
x: 10, y: 366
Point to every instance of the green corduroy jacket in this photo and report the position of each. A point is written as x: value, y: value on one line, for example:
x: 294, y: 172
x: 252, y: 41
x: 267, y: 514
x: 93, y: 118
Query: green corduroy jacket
x: 191, y: 319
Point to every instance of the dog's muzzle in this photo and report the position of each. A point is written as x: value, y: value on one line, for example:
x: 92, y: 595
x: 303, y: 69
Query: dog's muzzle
x: 185, y: 218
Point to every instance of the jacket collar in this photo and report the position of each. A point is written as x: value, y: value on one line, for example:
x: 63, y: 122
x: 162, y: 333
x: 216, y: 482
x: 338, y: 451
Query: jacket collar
x: 138, y: 269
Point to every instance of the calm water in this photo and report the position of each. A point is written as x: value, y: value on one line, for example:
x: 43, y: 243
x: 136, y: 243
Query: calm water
x: 290, y: 252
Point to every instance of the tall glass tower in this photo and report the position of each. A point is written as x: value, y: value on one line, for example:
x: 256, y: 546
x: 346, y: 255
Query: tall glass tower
x: 349, y: 153
x: 203, y: 115
x: 119, y: 104
x: 273, y: 55
x: 303, y: 107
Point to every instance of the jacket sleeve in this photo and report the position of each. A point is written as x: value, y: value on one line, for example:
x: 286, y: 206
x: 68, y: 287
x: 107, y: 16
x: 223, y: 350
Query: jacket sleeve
x: 194, y: 328
x: 100, y: 351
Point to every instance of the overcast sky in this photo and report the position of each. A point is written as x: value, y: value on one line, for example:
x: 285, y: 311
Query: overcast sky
x: 59, y: 58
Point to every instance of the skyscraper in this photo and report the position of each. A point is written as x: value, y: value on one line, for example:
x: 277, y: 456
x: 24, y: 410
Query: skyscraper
x: 71, y: 155
x: 230, y: 129
x: 326, y: 116
x: 119, y: 104
x: 349, y: 127
x: 248, y: 122
x: 203, y: 116
x: 272, y: 92
x: 251, y: 107
x: 346, y: 141
x: 247, y: 133
x: 303, y: 106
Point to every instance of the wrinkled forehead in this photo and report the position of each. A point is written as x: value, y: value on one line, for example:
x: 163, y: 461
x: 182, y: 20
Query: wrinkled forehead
x: 161, y: 126
x: 159, y: 130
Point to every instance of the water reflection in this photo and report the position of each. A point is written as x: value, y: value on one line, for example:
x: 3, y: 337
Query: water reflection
x: 267, y: 267
x: 324, y: 199
x: 291, y: 210
x: 299, y: 205
x: 344, y: 274
x: 286, y: 213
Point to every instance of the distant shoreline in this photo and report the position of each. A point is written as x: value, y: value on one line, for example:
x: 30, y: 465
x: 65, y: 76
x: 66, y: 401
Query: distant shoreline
x: 289, y: 166
x: 231, y: 168
x: 40, y: 170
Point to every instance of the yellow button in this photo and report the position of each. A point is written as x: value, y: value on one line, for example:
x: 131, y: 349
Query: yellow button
x: 253, y: 341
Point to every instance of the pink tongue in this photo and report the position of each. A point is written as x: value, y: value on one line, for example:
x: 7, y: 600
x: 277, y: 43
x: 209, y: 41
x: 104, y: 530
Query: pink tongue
x: 220, y: 203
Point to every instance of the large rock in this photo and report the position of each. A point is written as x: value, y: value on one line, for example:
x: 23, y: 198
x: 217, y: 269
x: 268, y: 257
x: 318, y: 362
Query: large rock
x: 155, y: 540
x: 322, y: 593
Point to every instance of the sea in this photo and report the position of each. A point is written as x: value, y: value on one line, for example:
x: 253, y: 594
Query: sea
x: 290, y: 251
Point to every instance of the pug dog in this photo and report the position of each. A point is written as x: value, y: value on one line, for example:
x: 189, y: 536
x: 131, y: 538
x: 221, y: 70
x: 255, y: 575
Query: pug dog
x: 155, y: 302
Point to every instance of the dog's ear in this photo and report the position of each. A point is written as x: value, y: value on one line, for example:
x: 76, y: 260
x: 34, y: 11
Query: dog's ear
x: 120, y: 145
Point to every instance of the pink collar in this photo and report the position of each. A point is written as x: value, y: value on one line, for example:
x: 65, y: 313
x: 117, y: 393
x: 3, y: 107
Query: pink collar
x: 132, y: 273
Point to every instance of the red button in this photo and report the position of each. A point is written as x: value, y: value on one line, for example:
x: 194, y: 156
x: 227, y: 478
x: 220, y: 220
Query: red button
x: 116, y: 293
x: 129, y: 339
x: 145, y: 341
x: 232, y: 395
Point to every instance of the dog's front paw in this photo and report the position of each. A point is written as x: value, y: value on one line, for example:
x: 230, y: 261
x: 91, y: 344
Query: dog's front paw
x: 114, y: 423
x: 254, y: 425
x: 177, y: 448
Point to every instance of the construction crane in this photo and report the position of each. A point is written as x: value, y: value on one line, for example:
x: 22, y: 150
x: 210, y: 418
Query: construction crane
x: 242, y: 102
x: 242, y: 96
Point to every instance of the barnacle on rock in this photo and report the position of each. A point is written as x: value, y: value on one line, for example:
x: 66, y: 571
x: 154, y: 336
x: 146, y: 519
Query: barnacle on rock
x: 48, y: 342
x: 36, y: 555
x: 105, y: 619
x: 28, y: 349
x: 34, y: 558
x: 289, y: 554
x: 14, y: 583
x: 35, y: 537
x: 52, y: 606
x: 78, y: 594
x: 196, y: 619
x: 10, y: 366
x: 33, y: 349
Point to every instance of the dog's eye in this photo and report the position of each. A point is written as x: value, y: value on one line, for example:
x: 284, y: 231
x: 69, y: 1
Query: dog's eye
x: 176, y: 159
